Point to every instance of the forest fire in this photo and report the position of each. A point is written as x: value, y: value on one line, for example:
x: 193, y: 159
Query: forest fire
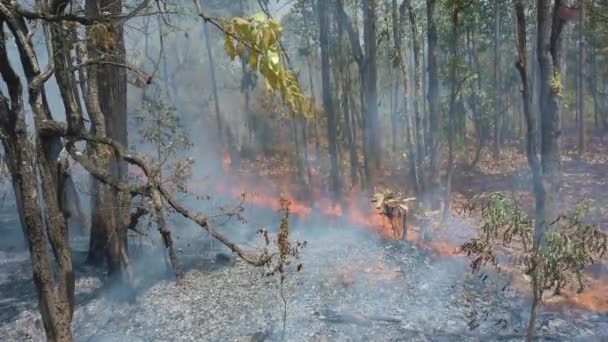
x: 363, y: 214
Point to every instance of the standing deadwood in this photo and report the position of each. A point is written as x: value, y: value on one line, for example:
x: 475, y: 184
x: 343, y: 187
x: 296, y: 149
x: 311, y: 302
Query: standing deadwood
x: 582, y: 78
x: 434, y: 114
x: 328, y: 106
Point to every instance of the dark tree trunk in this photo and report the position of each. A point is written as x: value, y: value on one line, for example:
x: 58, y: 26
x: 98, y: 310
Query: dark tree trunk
x: 498, y: 115
x: 345, y: 82
x: 216, y: 98
x: 370, y: 85
x: 327, y: 98
x: 479, y: 121
x: 531, y: 150
x: 368, y: 74
x: 582, y: 78
x: 418, y: 98
x: 108, y: 111
x: 434, y: 114
x: 452, y: 111
x: 550, y: 49
x: 55, y: 292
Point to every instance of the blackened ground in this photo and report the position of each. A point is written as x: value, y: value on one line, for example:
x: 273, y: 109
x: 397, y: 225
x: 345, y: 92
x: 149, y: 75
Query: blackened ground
x: 354, y: 287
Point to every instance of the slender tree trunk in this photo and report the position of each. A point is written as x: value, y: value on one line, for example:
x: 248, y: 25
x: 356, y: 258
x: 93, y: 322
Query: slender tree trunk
x: 305, y: 146
x: 594, y: 89
x: 497, y: 91
x: 327, y: 98
x: 216, y: 98
x: 479, y: 121
x: 372, y: 131
x: 550, y: 49
x: 531, y: 153
x: 582, y: 78
x: 55, y: 291
x: 434, y: 114
x: 452, y: 110
x: 418, y: 84
x: 346, y: 106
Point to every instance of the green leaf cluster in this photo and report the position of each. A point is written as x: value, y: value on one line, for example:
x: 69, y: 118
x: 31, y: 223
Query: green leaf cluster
x: 569, y: 245
x: 257, y: 39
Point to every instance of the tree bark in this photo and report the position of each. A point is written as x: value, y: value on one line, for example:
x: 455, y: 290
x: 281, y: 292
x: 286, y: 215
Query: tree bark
x: 216, y: 98
x: 328, y: 105
x: 108, y: 112
x: 582, y: 78
x: 452, y: 110
x: 531, y: 150
x: 550, y: 46
x: 55, y: 293
x: 349, y: 124
x: 498, y: 115
x: 367, y: 61
x: 418, y: 81
x: 372, y: 122
x: 434, y: 114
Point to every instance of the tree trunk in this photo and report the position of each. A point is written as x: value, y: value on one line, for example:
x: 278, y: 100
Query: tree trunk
x: 372, y: 131
x: 434, y: 114
x: 594, y: 89
x: 24, y: 159
x: 497, y: 91
x: 531, y: 152
x: 533, y: 312
x: 582, y: 78
x: 216, y: 98
x: 327, y: 98
x: 345, y: 82
x: 479, y: 121
x: 452, y: 111
x: 550, y: 45
x: 108, y: 112
x: 418, y: 81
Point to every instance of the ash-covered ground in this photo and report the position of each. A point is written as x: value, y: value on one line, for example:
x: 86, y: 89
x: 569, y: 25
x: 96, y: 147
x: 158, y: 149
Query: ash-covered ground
x: 354, y: 287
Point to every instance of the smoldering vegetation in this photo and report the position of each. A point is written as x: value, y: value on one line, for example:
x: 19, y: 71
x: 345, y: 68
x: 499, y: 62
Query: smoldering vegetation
x: 354, y: 286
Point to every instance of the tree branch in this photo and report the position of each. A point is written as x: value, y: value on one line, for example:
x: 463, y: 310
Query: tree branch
x: 352, y: 34
x: 58, y: 128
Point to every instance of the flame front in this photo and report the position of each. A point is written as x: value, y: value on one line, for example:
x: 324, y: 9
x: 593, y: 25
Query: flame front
x: 362, y: 214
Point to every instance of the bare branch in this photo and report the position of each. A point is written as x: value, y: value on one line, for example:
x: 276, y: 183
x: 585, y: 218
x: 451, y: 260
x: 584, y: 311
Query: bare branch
x: 57, y: 128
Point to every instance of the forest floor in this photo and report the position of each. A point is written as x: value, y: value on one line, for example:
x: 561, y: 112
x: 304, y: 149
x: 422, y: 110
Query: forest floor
x: 355, y: 286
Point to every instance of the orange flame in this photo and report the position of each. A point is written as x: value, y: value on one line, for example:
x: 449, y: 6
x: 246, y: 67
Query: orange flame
x: 226, y: 160
x: 265, y: 195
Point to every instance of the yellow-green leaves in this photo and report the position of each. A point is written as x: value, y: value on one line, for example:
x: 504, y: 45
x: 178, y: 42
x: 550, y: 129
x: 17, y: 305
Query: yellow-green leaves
x: 102, y: 35
x: 256, y: 39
